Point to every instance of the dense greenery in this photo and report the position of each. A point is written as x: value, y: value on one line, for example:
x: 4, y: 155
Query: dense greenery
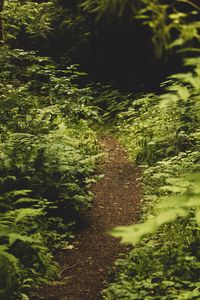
x: 48, y: 149
x: 48, y: 154
x: 161, y: 133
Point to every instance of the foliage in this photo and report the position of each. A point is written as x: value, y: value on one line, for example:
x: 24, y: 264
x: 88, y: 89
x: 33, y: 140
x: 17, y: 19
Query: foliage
x: 24, y: 258
x: 48, y: 149
x: 110, y: 6
x: 170, y: 208
x: 162, y: 134
x: 28, y: 17
x: 157, y: 270
x: 173, y: 24
x: 173, y: 131
x: 47, y: 156
x: 110, y: 102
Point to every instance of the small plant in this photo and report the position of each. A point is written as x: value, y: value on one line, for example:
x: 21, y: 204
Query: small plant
x: 47, y: 158
x: 162, y: 134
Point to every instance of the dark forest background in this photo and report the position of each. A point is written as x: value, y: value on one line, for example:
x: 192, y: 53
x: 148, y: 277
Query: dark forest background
x: 112, y: 49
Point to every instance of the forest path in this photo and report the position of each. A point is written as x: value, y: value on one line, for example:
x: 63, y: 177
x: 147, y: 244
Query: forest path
x: 117, y: 202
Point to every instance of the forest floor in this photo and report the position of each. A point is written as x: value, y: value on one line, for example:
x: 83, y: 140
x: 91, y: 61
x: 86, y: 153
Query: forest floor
x: 85, y: 268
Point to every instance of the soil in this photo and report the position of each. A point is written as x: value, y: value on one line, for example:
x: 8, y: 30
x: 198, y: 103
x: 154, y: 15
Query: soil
x: 85, y: 268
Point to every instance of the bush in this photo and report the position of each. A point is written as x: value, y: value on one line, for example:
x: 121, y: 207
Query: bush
x: 48, y: 154
x: 162, y: 133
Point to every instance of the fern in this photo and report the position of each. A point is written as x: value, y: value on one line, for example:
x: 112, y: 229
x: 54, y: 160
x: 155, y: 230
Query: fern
x: 102, y: 7
x: 17, y: 244
x: 175, y: 129
x: 10, y: 271
x: 47, y: 157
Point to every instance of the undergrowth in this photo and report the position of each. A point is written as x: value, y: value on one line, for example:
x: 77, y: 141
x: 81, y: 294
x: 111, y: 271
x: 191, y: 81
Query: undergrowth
x: 48, y: 153
x: 161, y: 134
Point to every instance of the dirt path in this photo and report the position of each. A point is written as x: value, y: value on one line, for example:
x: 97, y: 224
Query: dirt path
x: 85, y: 268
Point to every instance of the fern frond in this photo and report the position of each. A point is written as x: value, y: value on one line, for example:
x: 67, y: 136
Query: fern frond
x: 13, y: 237
x: 23, y: 214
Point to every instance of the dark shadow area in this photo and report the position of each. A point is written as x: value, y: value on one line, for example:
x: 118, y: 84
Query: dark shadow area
x: 113, y: 50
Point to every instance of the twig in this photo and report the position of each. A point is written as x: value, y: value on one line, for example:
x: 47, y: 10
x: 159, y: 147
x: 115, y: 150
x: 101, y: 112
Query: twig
x: 190, y: 3
x: 67, y: 269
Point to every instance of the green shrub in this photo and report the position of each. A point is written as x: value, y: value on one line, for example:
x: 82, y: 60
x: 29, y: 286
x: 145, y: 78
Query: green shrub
x: 162, y: 133
x: 157, y: 269
x: 47, y: 158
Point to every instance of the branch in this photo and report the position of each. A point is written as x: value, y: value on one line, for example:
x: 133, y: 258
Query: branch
x: 190, y: 3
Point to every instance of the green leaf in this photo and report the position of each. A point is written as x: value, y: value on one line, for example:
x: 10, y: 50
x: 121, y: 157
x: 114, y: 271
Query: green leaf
x: 134, y: 233
x: 197, y: 217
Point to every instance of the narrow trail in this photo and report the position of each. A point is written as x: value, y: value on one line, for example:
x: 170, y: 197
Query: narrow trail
x: 117, y: 202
